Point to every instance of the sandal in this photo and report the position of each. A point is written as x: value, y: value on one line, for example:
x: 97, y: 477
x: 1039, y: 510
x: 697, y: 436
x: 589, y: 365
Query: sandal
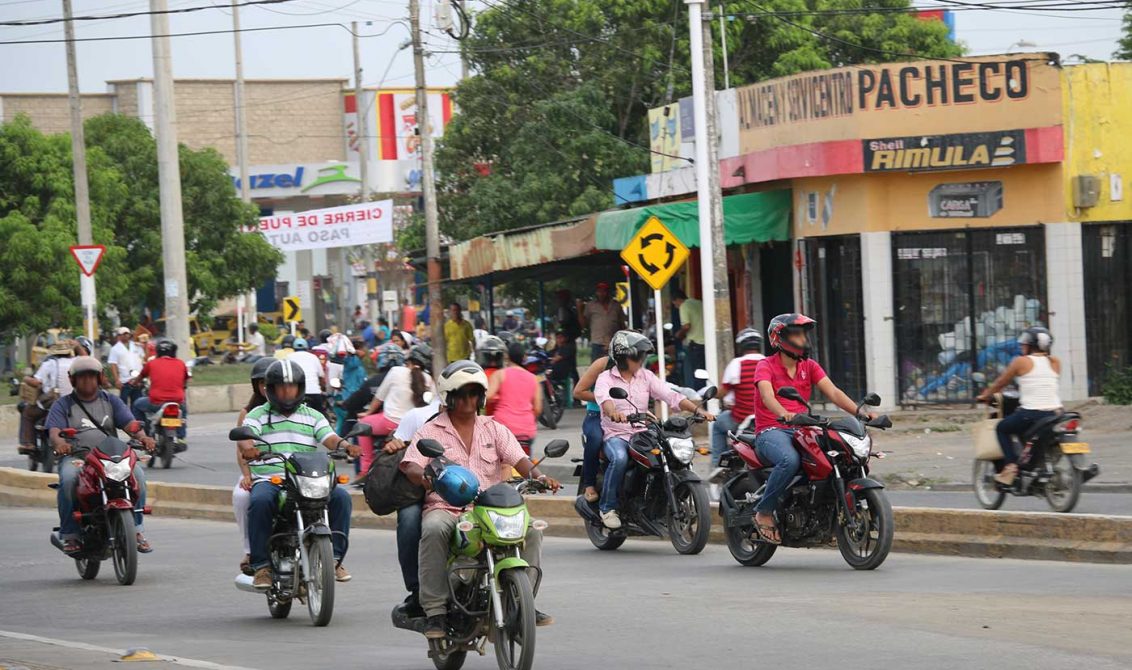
x: 764, y: 531
x: 143, y: 545
x: 72, y: 546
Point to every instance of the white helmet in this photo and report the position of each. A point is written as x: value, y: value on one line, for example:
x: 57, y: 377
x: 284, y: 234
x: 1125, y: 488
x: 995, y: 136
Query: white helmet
x: 458, y: 375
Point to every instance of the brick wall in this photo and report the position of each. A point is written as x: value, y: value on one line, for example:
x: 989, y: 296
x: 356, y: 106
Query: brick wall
x: 206, y: 115
x: 51, y: 112
x: 127, y: 92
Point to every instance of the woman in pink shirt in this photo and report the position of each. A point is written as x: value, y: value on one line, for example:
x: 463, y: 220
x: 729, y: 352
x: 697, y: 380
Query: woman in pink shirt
x: 515, y: 397
x: 629, y: 350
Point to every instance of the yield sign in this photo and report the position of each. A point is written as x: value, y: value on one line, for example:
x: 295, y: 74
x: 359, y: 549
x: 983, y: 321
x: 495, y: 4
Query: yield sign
x: 655, y: 253
x: 88, y: 257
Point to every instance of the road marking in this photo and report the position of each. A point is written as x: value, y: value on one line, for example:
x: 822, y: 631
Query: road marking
x: 82, y: 646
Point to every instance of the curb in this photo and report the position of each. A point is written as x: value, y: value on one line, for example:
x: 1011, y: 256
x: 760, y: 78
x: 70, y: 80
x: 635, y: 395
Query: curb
x: 1089, y: 538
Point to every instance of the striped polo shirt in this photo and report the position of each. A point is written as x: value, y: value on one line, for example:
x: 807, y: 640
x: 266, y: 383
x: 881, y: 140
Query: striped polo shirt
x: 302, y: 430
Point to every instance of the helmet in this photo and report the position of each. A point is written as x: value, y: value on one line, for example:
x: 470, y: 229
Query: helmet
x: 458, y: 375
x: 287, y: 342
x: 627, y: 344
x: 84, y: 365
x: 490, y: 352
x: 748, y: 339
x: 300, y: 344
x: 421, y: 354
x: 389, y: 355
x: 85, y: 343
x: 324, y: 335
x: 457, y: 485
x: 166, y: 348
x: 284, y: 372
x: 784, y: 324
x: 259, y: 369
x: 1036, y: 337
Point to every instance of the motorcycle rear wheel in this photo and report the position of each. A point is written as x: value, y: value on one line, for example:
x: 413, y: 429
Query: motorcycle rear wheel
x: 87, y: 567
x: 863, y: 551
x: 33, y: 462
x: 124, y: 536
x: 604, y: 540
x: 320, y: 588
x: 277, y: 609
x: 518, y: 620
x: 452, y: 661
x: 166, y: 451
x: 690, y: 536
x: 745, y: 545
x: 986, y: 491
x: 1064, y: 487
x: 48, y: 462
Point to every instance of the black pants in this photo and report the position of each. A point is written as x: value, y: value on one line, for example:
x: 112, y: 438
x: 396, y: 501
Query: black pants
x: 317, y: 402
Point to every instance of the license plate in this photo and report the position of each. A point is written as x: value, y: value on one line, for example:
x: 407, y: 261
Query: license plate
x: 1074, y: 447
x: 170, y: 423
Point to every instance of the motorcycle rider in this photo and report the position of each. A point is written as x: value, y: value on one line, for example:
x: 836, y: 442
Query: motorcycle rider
x: 287, y: 424
x: 52, y: 381
x: 242, y: 491
x: 402, y: 389
x: 629, y: 350
x: 481, y: 445
x: 314, y: 372
x: 592, y: 437
x: 286, y: 348
x: 95, y: 415
x: 789, y: 365
x: 490, y: 354
x: 738, y: 389
x: 1037, y: 375
x: 168, y: 378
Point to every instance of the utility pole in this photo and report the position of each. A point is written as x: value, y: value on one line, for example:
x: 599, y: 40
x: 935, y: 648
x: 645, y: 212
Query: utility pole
x: 374, y: 306
x: 169, y: 180
x: 713, y: 253
x: 248, y: 313
x: 428, y: 187
x: 78, y: 160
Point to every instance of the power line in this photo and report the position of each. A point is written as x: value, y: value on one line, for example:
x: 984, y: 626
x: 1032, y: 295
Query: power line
x: 196, y: 33
x: 126, y: 15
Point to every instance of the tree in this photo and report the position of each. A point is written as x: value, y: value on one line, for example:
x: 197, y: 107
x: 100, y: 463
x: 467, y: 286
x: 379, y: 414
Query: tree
x: 1124, y: 44
x: 558, y: 106
x: 39, y: 286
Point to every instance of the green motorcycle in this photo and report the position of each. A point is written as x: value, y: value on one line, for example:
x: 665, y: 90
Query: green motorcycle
x: 490, y: 594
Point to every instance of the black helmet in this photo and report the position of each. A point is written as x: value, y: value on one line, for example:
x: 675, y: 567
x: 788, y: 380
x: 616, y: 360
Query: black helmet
x: 166, y: 348
x: 749, y: 339
x: 284, y: 372
x: 628, y: 344
x: 783, y: 325
x: 1036, y: 337
x: 287, y: 342
x: 259, y: 369
x: 324, y: 335
x: 421, y: 354
x: 490, y: 352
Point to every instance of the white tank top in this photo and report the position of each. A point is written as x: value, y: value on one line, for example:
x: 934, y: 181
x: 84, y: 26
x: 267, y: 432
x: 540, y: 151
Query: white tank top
x: 1039, y: 386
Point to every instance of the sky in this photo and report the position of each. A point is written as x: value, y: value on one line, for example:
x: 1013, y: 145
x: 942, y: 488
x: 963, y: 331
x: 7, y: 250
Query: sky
x: 326, y: 51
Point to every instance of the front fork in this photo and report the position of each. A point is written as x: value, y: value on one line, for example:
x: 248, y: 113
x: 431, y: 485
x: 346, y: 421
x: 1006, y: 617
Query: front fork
x: 493, y: 586
x: 670, y: 488
x: 304, y: 555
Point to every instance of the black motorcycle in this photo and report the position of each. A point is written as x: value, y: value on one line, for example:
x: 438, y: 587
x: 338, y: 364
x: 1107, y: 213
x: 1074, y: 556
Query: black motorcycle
x: 1052, y: 464
x: 43, y: 455
x: 162, y: 426
x: 300, y: 547
x: 660, y: 495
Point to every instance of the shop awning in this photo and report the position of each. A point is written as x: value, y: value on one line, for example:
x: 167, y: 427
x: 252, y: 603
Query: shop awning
x: 749, y: 217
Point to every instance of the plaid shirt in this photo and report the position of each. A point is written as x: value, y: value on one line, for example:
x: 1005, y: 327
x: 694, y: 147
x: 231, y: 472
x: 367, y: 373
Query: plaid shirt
x: 492, y: 446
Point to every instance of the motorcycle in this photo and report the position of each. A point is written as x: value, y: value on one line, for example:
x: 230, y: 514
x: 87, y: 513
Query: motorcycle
x: 43, y: 456
x: 300, y: 548
x: 832, y: 496
x: 660, y: 494
x: 1052, y: 464
x: 107, y: 494
x: 163, y: 425
x: 537, y: 362
x: 490, y: 595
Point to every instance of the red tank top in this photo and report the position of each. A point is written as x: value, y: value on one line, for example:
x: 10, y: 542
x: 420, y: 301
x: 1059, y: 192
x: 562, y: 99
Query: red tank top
x: 745, y: 391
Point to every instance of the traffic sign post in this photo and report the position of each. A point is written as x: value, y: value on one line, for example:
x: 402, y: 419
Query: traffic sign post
x: 292, y: 311
x: 89, y: 257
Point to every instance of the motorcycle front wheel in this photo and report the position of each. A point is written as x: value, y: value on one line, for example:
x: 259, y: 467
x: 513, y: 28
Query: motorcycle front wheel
x: 1064, y: 486
x: 124, y: 536
x: 690, y: 525
x: 867, y: 544
x: 320, y: 584
x: 986, y: 491
x: 515, y: 642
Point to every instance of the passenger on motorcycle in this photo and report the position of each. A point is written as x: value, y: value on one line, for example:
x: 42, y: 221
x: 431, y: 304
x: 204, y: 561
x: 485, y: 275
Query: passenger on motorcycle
x: 1037, y: 375
x: 789, y: 365
x: 314, y: 372
x: 403, y: 388
x: 241, y: 492
x: 481, y: 445
x: 592, y: 436
x: 738, y: 390
x: 288, y: 425
x: 491, y: 353
x: 95, y: 415
x: 629, y: 350
x: 515, y: 396
x: 168, y: 377
x: 286, y: 348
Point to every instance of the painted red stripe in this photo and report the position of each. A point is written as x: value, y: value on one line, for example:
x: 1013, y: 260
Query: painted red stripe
x: 1045, y: 145
x: 386, y: 128
x: 447, y: 105
x: 351, y: 103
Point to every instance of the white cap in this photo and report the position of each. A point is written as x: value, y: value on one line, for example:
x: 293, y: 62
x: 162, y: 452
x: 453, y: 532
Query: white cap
x: 122, y: 331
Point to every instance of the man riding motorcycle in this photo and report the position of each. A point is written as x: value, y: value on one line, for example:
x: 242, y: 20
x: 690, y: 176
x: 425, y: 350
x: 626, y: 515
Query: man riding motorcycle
x: 628, y: 350
x: 95, y: 415
x: 480, y: 445
x: 738, y: 389
x: 789, y: 365
x: 168, y: 376
x: 289, y: 425
x: 51, y: 381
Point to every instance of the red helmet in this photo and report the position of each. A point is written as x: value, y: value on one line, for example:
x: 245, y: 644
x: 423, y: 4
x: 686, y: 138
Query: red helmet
x: 784, y: 324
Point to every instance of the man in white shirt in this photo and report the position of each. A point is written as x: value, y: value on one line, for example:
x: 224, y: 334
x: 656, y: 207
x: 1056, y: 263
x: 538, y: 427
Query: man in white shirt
x: 125, y: 365
x: 53, y: 382
x: 255, y: 338
x: 314, y: 373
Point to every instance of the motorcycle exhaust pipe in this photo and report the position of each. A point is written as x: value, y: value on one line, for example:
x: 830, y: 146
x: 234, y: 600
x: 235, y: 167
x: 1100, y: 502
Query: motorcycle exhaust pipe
x: 586, y: 510
x: 244, y: 583
x: 57, y: 541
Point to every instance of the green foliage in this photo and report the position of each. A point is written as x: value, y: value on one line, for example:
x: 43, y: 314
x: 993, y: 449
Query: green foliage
x: 269, y: 331
x: 39, y: 286
x: 1117, y: 387
x: 1124, y: 44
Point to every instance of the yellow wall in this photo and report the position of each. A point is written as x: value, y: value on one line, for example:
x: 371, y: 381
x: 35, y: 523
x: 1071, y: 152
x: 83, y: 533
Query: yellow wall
x: 1098, y: 135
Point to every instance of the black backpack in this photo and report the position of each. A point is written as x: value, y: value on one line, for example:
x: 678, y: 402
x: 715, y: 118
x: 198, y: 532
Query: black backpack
x: 386, y: 488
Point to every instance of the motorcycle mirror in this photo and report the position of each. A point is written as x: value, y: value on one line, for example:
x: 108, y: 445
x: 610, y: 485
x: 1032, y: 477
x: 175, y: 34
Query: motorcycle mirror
x: 556, y: 448
x: 709, y: 393
x: 360, y: 428
x: 618, y: 393
x: 335, y: 383
x: 430, y: 448
x: 240, y: 433
x: 700, y: 374
x: 872, y: 399
x: 790, y: 393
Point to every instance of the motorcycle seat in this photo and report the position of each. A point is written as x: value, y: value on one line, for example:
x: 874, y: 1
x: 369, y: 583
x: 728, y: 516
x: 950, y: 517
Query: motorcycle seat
x: 747, y: 438
x: 1040, y: 426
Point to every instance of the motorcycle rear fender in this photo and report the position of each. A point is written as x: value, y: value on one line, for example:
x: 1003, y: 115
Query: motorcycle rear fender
x: 510, y: 563
x: 118, y: 503
x: 862, y: 483
x: 727, y: 506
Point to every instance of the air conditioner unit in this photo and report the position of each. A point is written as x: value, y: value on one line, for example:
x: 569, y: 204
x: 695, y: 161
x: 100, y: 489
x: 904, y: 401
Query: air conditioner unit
x: 1086, y: 191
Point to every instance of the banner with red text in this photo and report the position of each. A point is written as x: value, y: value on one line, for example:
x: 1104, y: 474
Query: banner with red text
x: 367, y: 223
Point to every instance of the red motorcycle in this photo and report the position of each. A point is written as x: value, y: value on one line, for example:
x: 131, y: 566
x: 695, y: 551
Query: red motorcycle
x: 107, y: 494
x: 831, y: 496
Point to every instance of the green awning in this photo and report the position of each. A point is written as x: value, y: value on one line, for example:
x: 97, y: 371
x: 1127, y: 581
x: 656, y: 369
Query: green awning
x: 750, y: 217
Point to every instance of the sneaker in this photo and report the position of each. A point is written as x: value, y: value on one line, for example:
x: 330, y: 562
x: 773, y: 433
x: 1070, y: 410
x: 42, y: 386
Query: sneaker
x: 262, y: 579
x: 437, y: 627
x: 611, y: 520
x: 543, y: 619
x: 340, y: 574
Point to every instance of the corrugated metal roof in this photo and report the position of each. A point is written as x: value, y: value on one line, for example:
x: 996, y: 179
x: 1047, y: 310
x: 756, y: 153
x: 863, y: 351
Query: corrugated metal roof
x: 519, y: 249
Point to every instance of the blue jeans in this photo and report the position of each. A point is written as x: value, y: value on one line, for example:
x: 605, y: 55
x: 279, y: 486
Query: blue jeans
x: 694, y: 359
x: 261, y: 513
x: 591, y: 448
x: 129, y: 394
x: 1015, y: 425
x: 719, y: 429
x: 774, y: 446
x: 68, y: 486
x: 617, y: 454
x: 408, y: 545
x: 143, y: 408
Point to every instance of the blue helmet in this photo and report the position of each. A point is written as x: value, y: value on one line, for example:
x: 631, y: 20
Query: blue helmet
x: 457, y: 485
x: 300, y: 344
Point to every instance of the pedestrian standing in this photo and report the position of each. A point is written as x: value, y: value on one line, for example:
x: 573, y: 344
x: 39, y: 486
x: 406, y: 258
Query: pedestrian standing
x: 459, y: 337
x: 691, y: 333
x: 408, y: 316
x: 604, y: 317
x: 125, y: 363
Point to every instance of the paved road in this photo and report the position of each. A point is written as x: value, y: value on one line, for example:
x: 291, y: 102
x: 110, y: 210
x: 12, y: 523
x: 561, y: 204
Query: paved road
x: 1090, y: 502
x: 641, y: 607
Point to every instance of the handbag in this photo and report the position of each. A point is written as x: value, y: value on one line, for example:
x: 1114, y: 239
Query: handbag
x: 986, y: 441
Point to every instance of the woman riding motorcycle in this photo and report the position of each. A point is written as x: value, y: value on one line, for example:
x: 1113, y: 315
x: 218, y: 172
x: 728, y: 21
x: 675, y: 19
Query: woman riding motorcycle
x: 1037, y: 375
x: 592, y: 436
x: 402, y: 389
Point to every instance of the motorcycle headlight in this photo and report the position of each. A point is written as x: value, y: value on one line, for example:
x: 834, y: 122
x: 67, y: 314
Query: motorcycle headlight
x: 509, y: 527
x: 118, y: 472
x: 683, y: 448
x: 861, y: 446
x: 314, y: 487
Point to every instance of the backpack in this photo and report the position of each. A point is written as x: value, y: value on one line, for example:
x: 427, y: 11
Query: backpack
x: 386, y: 488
